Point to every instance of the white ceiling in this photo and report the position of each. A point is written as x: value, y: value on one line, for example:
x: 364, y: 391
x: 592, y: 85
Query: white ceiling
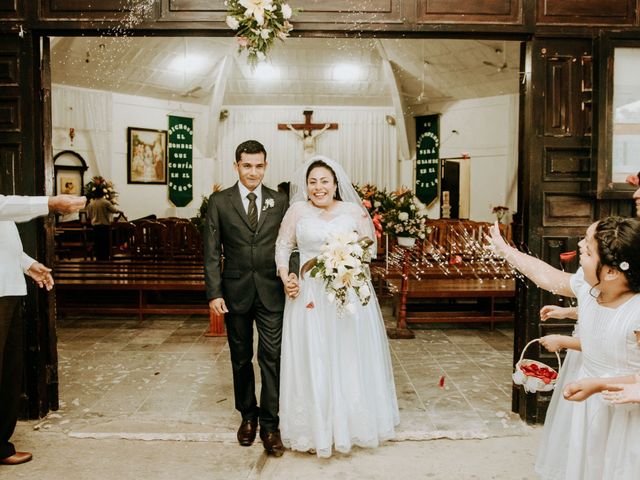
x: 425, y: 70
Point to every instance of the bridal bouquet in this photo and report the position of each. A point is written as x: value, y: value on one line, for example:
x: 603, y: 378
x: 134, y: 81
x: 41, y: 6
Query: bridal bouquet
x: 342, y: 265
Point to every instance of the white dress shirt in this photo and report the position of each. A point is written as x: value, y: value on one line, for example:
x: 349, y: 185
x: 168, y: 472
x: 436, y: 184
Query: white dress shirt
x: 14, y: 263
x: 244, y: 191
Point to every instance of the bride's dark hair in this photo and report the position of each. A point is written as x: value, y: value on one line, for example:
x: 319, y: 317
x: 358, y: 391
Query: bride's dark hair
x: 320, y: 163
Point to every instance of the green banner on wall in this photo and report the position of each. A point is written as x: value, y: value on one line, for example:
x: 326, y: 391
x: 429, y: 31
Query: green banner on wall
x: 427, y: 157
x: 180, y: 160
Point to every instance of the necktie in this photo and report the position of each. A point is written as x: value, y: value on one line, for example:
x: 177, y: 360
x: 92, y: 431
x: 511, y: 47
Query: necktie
x: 252, y: 213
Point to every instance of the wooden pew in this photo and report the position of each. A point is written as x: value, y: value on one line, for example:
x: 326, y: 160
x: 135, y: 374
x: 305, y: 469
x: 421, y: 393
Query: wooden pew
x: 450, y: 277
x: 453, y: 300
x: 134, y: 287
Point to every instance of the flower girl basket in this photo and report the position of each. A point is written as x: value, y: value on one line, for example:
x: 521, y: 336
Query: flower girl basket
x: 534, y: 382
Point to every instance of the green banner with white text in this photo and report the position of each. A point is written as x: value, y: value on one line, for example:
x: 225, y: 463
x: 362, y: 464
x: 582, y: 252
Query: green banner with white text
x: 180, y: 160
x: 427, y: 157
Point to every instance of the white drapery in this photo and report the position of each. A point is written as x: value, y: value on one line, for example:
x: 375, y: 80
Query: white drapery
x: 365, y: 144
x: 90, y: 111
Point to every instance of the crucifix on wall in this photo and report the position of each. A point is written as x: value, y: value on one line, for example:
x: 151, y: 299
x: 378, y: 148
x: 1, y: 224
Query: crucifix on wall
x: 305, y: 131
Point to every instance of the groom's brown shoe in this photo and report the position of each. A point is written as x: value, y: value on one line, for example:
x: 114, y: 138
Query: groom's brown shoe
x: 272, y: 442
x: 247, y: 432
x: 16, y: 459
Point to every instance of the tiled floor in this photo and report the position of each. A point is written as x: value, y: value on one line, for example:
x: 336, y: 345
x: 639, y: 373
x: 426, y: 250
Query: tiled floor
x: 163, y: 379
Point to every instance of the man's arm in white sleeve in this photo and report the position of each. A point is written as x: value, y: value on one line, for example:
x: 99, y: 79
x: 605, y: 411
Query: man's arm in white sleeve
x: 22, y: 209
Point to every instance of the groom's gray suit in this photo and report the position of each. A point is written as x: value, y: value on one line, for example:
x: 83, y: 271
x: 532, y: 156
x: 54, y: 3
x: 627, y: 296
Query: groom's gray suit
x: 249, y: 283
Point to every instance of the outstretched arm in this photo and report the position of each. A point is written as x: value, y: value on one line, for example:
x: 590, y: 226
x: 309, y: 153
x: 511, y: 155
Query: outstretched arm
x: 298, y: 133
x: 555, y: 311
x: 324, y: 129
x: 542, y: 274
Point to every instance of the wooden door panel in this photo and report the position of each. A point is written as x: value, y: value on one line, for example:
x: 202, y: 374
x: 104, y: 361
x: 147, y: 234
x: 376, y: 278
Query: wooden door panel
x: 585, y: 12
x: 470, y: 11
x: 562, y: 163
x: 9, y: 6
x: 310, y: 11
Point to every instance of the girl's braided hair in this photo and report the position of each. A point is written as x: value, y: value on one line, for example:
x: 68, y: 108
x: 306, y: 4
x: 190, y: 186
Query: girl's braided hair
x: 618, y: 241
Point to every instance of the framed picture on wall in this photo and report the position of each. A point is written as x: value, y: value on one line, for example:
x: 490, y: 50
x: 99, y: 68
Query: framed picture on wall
x: 146, y: 156
x: 69, y: 168
x: 69, y: 182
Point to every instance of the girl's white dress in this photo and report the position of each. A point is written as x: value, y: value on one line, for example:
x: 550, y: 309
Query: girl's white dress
x: 336, y: 380
x: 596, y: 439
x: 554, y: 445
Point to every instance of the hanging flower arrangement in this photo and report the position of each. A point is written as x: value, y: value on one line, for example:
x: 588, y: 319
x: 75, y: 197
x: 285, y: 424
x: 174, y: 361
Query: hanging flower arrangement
x: 257, y: 24
x: 98, y: 184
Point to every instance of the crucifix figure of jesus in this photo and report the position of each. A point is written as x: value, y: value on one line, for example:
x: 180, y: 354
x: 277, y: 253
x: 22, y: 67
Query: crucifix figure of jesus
x: 305, y: 131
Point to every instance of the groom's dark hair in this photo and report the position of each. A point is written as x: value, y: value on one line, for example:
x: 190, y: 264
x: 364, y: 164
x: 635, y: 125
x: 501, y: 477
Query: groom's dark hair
x: 250, y: 146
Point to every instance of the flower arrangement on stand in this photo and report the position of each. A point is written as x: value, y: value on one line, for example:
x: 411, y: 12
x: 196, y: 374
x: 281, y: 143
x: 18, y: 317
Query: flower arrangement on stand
x: 257, y: 24
x: 407, y: 218
x: 500, y: 211
x: 377, y: 202
x: 99, y: 183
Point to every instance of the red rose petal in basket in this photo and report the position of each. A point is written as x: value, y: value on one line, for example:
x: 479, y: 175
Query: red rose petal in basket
x: 568, y: 256
x: 441, y: 382
x: 310, y: 305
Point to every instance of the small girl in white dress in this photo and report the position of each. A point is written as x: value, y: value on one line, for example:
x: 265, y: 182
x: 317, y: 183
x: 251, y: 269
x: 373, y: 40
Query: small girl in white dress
x: 603, y: 439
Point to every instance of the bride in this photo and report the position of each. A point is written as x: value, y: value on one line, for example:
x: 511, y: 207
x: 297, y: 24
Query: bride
x: 336, y: 384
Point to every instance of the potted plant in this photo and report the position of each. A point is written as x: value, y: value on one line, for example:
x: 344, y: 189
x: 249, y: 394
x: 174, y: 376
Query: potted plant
x: 406, y: 219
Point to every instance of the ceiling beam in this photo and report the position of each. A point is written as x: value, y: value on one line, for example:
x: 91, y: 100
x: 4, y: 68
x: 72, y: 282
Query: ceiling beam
x: 215, y: 105
x: 398, y: 103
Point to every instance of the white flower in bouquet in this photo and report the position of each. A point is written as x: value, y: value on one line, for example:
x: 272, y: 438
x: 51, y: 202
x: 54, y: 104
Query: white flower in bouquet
x: 232, y: 22
x: 342, y: 267
x: 286, y: 11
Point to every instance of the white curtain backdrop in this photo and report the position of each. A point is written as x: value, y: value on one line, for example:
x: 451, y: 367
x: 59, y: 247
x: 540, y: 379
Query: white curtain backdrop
x: 365, y: 144
x: 90, y: 111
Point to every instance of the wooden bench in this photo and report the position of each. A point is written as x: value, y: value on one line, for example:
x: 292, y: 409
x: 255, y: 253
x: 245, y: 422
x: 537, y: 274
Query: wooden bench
x: 452, y: 300
x: 134, y: 287
x: 449, y: 277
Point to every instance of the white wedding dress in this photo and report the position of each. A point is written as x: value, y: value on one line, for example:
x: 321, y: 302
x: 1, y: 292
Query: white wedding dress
x: 336, y: 380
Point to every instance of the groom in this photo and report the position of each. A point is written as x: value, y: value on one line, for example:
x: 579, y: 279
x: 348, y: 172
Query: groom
x: 242, y: 225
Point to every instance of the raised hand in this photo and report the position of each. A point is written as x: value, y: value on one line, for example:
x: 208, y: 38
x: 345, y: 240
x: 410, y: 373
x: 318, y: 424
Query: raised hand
x: 41, y: 275
x: 496, y: 242
x: 66, y: 203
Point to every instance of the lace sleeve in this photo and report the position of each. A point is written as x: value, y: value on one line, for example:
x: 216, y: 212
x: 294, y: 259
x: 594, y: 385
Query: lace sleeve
x: 365, y: 226
x: 286, y: 241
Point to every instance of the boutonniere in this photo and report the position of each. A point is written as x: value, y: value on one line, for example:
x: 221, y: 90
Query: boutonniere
x: 268, y: 203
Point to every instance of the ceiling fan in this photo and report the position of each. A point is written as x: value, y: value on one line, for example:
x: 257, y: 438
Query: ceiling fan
x: 501, y: 66
x: 190, y: 93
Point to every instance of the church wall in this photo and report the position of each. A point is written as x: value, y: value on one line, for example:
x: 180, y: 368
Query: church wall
x: 364, y: 143
x: 138, y: 200
x: 487, y: 129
